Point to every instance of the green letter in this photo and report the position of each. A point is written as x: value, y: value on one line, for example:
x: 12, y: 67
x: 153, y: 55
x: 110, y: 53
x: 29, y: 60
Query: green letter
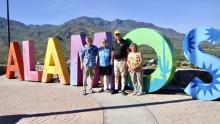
x: 165, y: 52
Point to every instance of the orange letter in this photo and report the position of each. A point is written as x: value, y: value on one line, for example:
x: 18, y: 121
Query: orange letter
x: 15, y: 62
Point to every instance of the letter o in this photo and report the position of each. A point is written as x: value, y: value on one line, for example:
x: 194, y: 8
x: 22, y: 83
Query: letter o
x: 165, y: 53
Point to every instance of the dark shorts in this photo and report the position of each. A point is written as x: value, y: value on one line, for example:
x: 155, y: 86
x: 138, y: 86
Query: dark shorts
x: 105, y: 70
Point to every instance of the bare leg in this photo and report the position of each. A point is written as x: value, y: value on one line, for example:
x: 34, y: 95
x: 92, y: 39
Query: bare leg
x: 134, y: 85
x: 84, y: 81
x: 91, y: 80
x: 107, y: 82
x: 141, y: 86
x: 140, y: 83
x: 101, y: 82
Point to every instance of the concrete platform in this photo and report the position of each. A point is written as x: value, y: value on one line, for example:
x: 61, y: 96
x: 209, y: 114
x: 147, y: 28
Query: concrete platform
x: 25, y: 102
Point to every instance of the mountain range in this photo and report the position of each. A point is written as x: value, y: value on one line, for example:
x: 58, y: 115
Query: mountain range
x: 89, y: 25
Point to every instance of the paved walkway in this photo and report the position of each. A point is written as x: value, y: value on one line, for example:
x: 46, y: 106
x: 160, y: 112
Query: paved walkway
x: 39, y: 103
x: 120, y: 109
x: 25, y: 102
x: 30, y: 102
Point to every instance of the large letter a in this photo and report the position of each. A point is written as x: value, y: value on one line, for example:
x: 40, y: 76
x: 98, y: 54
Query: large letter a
x: 54, y: 63
x: 15, y: 62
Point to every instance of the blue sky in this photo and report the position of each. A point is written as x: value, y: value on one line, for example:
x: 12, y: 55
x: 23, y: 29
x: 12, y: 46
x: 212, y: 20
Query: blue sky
x: 181, y: 15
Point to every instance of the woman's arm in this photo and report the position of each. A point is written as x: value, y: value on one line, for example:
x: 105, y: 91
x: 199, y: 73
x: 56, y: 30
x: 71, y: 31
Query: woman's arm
x: 112, y: 57
x: 141, y: 58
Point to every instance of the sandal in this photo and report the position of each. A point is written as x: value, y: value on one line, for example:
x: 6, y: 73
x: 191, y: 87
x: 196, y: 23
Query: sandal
x: 91, y: 91
x: 84, y: 92
x: 140, y: 93
x: 100, y: 91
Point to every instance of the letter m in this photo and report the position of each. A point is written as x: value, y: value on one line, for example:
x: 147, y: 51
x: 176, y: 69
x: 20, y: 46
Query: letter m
x: 77, y: 42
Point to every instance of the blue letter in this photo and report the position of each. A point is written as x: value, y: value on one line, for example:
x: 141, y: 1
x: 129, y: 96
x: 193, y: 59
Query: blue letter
x: 195, y: 55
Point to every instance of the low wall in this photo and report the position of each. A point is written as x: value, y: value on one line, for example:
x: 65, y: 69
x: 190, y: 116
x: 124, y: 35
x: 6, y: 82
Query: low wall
x: 2, y: 69
x: 182, y: 78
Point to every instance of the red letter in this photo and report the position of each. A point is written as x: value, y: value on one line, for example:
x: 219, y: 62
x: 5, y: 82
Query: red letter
x: 15, y: 62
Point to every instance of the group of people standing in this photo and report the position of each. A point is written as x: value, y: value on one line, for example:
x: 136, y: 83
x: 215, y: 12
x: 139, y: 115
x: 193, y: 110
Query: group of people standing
x: 125, y: 59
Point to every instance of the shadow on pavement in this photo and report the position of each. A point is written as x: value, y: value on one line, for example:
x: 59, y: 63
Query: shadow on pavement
x: 12, y: 119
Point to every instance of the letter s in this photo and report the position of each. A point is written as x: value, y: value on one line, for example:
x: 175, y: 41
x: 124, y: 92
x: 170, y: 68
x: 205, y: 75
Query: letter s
x: 195, y: 55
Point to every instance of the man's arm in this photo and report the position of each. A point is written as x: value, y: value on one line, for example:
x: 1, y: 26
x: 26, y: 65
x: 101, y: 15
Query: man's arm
x: 81, y: 63
x: 81, y: 58
x: 112, y: 52
x: 129, y: 64
x: 127, y: 48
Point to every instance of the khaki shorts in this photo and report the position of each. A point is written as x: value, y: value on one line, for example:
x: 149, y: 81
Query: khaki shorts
x: 137, y: 77
x: 88, y: 71
x: 120, y: 68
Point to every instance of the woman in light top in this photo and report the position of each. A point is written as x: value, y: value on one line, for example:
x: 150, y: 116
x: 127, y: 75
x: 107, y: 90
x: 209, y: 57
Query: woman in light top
x: 134, y: 63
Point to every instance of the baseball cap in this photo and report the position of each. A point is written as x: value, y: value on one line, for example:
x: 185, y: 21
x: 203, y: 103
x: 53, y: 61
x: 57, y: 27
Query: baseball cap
x: 117, y: 32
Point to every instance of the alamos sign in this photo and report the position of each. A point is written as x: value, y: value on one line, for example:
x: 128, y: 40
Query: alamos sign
x: 55, y: 63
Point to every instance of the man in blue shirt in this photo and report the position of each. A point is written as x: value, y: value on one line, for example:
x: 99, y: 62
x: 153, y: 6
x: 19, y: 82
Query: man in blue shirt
x: 88, y: 56
x: 105, y: 68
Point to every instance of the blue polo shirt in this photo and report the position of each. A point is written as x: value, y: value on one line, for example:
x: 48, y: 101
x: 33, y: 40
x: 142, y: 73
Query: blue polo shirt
x: 88, y: 55
x: 104, y: 56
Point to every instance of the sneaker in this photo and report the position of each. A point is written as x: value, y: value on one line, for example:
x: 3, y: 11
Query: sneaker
x: 114, y: 91
x: 140, y: 93
x: 84, y: 92
x: 123, y: 92
x: 100, y: 91
x: 91, y: 91
x: 107, y: 91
